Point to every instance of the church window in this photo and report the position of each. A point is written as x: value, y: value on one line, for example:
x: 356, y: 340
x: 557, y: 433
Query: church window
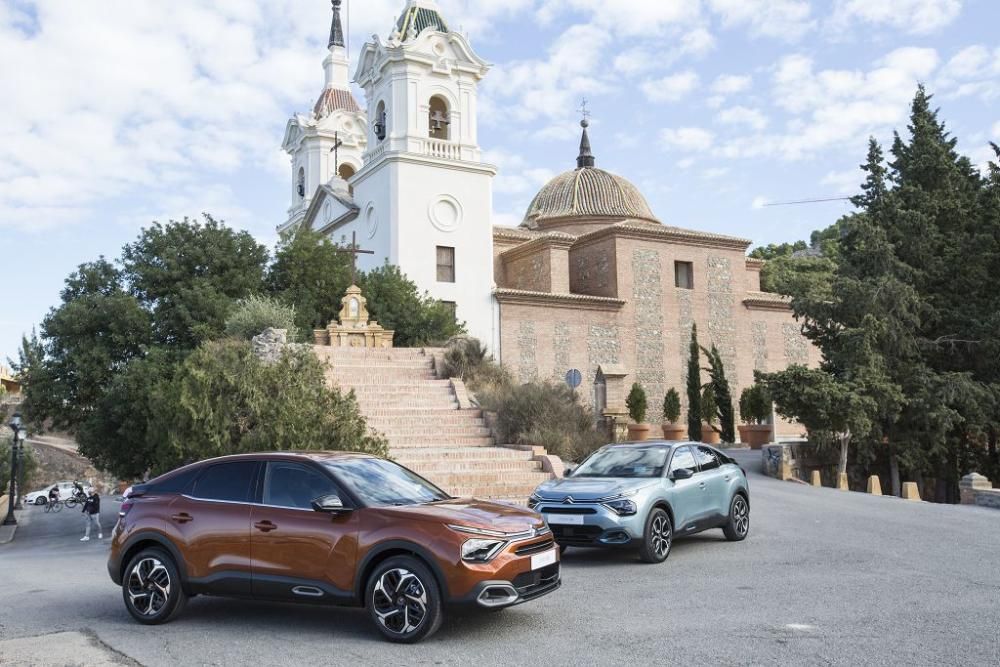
x: 301, y: 186
x: 380, y: 122
x: 445, y: 264
x: 439, y: 120
x: 684, y: 275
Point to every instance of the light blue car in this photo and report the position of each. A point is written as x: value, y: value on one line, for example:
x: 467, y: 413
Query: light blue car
x: 644, y: 495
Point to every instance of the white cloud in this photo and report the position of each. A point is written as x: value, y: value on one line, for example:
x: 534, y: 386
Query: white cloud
x: 697, y: 42
x: 514, y: 176
x: 740, y: 115
x: 973, y: 71
x: 645, y: 58
x: 916, y: 17
x: 690, y: 139
x: 759, y: 202
x: 728, y: 84
x: 670, y: 88
x: 714, y: 172
x: 784, y: 19
x: 629, y: 18
x: 996, y: 129
x: 844, y: 182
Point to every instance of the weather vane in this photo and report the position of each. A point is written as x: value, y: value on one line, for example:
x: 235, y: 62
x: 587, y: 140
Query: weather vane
x: 585, y: 112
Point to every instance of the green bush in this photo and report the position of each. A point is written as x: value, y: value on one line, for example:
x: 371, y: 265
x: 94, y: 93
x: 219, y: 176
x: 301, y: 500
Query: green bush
x: 636, y: 403
x: 671, y: 406
x: 545, y: 414
x: 467, y: 359
x: 225, y: 400
x: 26, y: 466
x: 755, y: 404
x: 255, y: 313
x: 709, y: 408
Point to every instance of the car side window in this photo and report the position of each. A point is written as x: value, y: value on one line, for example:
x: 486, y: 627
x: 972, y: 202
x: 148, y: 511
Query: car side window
x: 683, y: 458
x: 707, y: 458
x: 226, y: 481
x: 295, y: 485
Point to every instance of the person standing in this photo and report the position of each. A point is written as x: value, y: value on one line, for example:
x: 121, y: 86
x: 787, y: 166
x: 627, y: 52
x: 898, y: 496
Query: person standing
x: 92, y: 515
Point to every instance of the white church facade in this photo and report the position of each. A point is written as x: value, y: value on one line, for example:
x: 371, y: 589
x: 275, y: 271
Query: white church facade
x: 591, y: 280
x: 408, y: 177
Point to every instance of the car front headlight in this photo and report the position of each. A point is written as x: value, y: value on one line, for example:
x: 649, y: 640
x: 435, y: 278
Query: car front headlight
x: 481, y: 551
x: 622, y: 507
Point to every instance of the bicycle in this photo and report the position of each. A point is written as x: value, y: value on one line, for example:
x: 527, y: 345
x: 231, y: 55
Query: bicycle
x: 75, y: 500
x: 53, y: 506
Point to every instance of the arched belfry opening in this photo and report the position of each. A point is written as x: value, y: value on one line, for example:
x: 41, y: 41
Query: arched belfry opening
x: 300, y: 185
x: 379, y: 124
x: 439, y: 119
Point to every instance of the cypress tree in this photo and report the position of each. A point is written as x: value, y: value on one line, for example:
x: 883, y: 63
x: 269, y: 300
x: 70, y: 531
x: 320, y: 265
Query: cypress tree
x: 694, y: 388
x: 723, y: 395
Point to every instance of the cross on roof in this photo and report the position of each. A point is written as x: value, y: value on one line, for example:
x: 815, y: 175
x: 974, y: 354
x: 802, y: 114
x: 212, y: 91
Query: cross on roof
x: 584, y: 111
x: 337, y: 143
x: 354, y: 251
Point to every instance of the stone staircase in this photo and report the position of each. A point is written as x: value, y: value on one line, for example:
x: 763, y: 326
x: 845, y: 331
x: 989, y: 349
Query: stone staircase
x: 427, y: 430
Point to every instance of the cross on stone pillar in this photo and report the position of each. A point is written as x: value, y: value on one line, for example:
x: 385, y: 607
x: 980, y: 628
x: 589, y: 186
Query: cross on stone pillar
x: 354, y: 250
x: 337, y: 143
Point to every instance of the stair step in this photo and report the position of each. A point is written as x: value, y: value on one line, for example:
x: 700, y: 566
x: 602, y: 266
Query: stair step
x: 496, y: 467
x: 495, y: 490
x: 413, y: 454
x: 441, y: 441
x: 461, y: 431
x: 487, y: 478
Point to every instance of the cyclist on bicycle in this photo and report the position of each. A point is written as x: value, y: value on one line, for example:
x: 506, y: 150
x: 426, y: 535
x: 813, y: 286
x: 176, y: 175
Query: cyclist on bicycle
x: 53, y: 494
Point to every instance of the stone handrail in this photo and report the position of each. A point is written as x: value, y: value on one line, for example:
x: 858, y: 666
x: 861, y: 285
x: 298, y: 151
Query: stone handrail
x: 442, y: 149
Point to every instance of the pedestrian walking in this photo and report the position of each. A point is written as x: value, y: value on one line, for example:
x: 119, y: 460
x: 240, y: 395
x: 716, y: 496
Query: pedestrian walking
x: 92, y: 516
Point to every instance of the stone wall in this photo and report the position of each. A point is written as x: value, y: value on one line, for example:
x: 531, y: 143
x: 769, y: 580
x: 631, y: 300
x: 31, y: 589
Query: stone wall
x: 531, y: 272
x: 527, y: 347
x: 593, y: 269
x: 797, y: 460
x: 647, y: 295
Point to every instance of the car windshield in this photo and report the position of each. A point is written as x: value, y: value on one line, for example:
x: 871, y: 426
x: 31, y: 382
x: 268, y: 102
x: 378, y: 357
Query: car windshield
x: 624, y: 462
x: 378, y: 482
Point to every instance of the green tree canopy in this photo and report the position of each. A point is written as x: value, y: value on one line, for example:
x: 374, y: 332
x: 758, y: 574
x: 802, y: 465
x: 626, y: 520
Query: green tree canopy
x: 722, y: 395
x: 694, y: 412
x: 309, y: 273
x: 187, y: 275
x: 397, y: 304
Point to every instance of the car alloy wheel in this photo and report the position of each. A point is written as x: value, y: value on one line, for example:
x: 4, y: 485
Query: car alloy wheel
x: 658, y: 537
x: 148, y: 586
x: 661, y: 536
x: 738, y: 526
x: 399, y: 601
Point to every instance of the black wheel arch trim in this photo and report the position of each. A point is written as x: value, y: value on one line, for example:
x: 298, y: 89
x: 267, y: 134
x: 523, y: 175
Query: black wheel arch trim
x: 160, y: 541
x: 361, y: 577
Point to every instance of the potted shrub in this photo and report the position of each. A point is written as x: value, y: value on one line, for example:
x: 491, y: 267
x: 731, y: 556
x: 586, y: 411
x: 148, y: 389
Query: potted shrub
x: 671, y: 413
x: 755, y: 410
x: 709, y: 416
x: 636, y: 403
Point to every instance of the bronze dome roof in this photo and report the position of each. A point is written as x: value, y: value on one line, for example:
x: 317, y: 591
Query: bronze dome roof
x: 588, y: 192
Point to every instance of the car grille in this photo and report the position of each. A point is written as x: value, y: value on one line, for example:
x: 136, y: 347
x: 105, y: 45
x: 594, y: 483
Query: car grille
x: 568, y: 510
x: 532, y: 584
x: 535, y: 548
x: 576, y: 535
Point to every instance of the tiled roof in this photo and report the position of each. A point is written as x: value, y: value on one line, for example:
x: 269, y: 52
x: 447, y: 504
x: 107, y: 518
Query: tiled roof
x: 767, y: 301
x: 420, y: 18
x: 588, y: 192
x: 665, y: 233
x: 557, y: 300
x: 332, y: 99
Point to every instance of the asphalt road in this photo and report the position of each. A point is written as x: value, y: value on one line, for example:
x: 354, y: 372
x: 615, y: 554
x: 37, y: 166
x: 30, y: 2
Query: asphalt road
x: 826, y: 577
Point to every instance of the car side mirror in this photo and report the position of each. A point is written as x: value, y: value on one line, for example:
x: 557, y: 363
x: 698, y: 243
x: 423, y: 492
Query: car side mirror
x: 568, y: 469
x: 330, y: 503
x: 681, y: 473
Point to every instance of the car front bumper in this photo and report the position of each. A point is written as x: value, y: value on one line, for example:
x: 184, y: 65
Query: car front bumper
x: 591, y: 524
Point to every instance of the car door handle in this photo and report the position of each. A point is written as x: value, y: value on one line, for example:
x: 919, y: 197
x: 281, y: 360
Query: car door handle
x: 183, y: 517
x: 726, y: 478
x: 265, y: 526
x: 701, y: 484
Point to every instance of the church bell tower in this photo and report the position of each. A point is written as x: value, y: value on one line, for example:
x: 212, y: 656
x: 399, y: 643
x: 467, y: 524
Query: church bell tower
x: 326, y: 144
x: 425, y: 198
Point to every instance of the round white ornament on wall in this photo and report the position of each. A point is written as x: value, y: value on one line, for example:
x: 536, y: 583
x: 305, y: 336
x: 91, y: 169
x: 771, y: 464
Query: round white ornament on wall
x: 445, y: 213
x: 371, y: 220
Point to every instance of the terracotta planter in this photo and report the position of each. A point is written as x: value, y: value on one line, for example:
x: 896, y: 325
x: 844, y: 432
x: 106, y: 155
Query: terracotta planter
x: 674, y: 432
x: 755, y: 435
x: 638, y: 432
x: 709, y: 435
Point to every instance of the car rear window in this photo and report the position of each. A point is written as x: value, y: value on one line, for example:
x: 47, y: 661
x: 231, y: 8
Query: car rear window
x: 173, y: 482
x: 226, y: 481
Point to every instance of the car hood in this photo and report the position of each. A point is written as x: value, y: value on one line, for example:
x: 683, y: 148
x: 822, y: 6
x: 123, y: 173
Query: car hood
x: 590, y: 488
x: 472, y: 513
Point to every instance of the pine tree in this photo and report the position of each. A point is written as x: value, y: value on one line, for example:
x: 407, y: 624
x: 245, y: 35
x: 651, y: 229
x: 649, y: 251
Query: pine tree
x: 723, y: 395
x: 694, y: 388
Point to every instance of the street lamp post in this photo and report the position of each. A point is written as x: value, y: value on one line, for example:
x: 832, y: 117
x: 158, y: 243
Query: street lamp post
x: 15, y: 426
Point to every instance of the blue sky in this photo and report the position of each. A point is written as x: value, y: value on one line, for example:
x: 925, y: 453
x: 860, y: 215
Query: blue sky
x: 117, y: 113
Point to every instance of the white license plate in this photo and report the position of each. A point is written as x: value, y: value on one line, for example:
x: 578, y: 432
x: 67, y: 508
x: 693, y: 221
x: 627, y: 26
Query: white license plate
x: 565, y: 519
x: 538, y: 561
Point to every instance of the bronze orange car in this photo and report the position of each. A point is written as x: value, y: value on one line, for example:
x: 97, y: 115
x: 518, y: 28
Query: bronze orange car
x: 325, y: 528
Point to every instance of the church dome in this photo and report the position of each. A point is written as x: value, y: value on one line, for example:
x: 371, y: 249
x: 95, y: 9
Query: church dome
x: 588, y: 192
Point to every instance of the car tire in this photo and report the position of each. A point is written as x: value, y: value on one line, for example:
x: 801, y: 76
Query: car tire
x: 399, y: 589
x: 738, y: 525
x: 41, y: 500
x: 151, y: 587
x: 657, y: 538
